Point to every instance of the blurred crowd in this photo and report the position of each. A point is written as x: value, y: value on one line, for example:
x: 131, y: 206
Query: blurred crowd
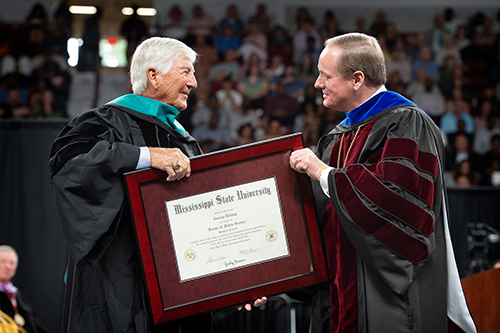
x: 256, y: 78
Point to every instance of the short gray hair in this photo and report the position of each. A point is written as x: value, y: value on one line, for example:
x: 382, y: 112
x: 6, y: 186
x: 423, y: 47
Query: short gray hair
x: 11, y: 249
x: 360, y: 53
x: 158, y: 52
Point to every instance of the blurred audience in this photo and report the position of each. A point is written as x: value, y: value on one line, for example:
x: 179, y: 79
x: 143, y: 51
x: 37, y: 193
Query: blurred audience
x: 256, y: 76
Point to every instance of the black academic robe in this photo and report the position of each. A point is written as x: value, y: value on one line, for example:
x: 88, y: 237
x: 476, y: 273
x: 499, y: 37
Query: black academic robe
x: 32, y: 325
x: 383, y: 224
x: 105, y: 290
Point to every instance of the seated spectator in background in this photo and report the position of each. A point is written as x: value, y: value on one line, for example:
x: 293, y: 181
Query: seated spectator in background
x: 253, y: 60
x: 491, y: 163
x: 330, y: 27
x: 488, y: 94
x: 207, y: 57
x: 310, y: 50
x: 229, y: 99
x: 446, y: 76
x: 398, y: 62
x: 457, y: 109
x: 302, y: 14
x: 448, y: 49
x: 47, y: 107
x: 231, y: 19
x: 311, y: 136
x: 14, y: 81
x: 12, y: 300
x: 245, y: 135
x: 383, y: 46
x: 254, y: 87
x: 391, y: 36
x: 308, y: 118
x: 460, y: 151
x: 464, y: 176
x: 15, y: 107
x: 213, y: 134
x: 281, y: 106
x: 415, y: 44
x: 293, y: 86
x: 206, y: 105
x: 485, y: 36
x: 461, y: 38
x: 418, y: 86
x: 451, y: 21
x: 311, y: 95
x: 425, y: 61
x: 482, y: 137
x: 435, y: 35
x: 254, y: 42
x: 274, y: 129
x: 474, y: 52
x: 246, y: 115
x: 227, y: 39
x: 431, y: 100
x: 200, y: 24
x: 400, y: 88
x: 361, y: 25
x: 377, y: 28
x: 276, y: 67
x: 485, y: 109
x: 260, y: 18
x: 280, y: 42
x: 459, y: 82
x: 393, y: 81
x: 175, y: 25
x: 306, y: 70
x: 229, y: 66
x: 59, y: 81
x: 307, y: 39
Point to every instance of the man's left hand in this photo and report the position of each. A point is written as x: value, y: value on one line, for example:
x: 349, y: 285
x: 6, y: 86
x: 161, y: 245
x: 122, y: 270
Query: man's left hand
x: 258, y: 302
x: 304, y: 161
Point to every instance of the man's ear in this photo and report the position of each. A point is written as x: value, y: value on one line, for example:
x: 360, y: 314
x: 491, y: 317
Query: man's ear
x: 152, y: 75
x: 358, y: 78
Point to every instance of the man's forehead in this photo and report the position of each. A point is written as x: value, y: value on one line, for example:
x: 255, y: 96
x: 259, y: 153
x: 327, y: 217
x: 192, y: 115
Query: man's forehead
x: 7, y: 253
x: 183, y: 63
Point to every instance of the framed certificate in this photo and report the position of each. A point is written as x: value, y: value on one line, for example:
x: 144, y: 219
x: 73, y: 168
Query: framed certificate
x: 242, y: 226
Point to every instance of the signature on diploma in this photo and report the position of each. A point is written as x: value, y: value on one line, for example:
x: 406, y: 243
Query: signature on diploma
x: 248, y: 251
x: 232, y: 263
x: 211, y: 259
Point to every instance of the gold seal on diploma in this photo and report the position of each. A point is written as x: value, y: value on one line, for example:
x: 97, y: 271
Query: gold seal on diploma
x: 190, y: 255
x: 19, y: 319
x: 271, y: 235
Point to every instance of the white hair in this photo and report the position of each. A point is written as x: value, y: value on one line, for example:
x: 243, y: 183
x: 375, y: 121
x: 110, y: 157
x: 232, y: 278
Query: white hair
x: 11, y: 249
x: 160, y: 53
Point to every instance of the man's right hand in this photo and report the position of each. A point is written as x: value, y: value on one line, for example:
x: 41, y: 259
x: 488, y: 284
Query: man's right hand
x: 172, y: 161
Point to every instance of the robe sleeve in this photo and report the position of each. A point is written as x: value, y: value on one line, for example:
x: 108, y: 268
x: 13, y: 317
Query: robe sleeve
x: 386, y: 204
x: 87, y: 163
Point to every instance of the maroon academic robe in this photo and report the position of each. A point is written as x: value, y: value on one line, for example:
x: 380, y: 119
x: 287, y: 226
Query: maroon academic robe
x: 383, y: 223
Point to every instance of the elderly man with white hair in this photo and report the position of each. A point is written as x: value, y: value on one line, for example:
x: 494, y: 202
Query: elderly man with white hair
x: 105, y: 291
x: 13, y: 303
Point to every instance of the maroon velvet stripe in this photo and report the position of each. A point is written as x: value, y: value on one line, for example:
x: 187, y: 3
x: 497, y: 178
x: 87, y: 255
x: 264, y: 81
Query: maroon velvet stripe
x: 406, y: 148
x: 375, y: 191
x: 406, y: 178
x: 381, y: 229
